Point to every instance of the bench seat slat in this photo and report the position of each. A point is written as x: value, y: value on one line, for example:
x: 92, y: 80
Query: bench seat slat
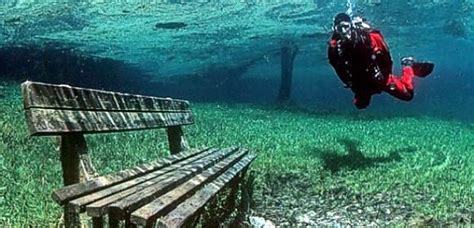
x: 37, y: 94
x: 79, y: 204
x: 57, y: 122
x: 126, y: 205
x: 70, y: 192
x: 157, y: 207
x: 178, y: 216
x: 157, y: 184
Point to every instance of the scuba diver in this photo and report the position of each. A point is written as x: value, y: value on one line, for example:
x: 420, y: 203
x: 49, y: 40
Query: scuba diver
x: 362, y: 60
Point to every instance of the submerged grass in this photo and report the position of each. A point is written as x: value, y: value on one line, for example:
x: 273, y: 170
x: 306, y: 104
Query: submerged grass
x: 403, y: 170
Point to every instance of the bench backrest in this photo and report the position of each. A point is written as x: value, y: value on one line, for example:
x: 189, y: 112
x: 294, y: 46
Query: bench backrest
x: 59, y: 109
x: 71, y: 112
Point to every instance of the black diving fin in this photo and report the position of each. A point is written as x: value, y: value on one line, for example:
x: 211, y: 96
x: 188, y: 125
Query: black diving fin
x: 422, y: 69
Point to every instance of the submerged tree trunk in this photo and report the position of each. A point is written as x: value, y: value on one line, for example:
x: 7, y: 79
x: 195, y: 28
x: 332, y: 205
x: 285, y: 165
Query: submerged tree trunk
x: 288, y: 54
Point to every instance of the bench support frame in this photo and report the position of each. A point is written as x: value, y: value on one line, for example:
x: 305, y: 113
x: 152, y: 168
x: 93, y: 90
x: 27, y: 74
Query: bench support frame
x: 76, y: 166
x: 176, y: 139
x: 75, y: 161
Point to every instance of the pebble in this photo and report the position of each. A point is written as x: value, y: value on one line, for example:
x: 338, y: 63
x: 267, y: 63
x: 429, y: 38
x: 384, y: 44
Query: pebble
x: 259, y: 222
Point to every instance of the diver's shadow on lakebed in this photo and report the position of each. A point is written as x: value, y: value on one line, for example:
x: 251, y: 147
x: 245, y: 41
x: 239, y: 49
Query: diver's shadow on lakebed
x: 355, y: 159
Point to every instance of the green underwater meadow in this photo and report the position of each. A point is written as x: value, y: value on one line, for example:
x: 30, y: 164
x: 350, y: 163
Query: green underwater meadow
x: 368, y: 169
x: 257, y: 75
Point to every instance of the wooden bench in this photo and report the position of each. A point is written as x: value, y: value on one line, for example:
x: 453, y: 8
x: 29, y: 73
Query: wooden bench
x: 169, y: 191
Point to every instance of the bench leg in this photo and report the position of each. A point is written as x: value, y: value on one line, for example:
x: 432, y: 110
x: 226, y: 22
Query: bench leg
x: 176, y: 139
x: 71, y: 218
x: 113, y: 222
x: 242, y: 206
x: 150, y: 225
x: 234, y: 190
x: 129, y: 224
x: 246, y: 193
x: 193, y: 222
x: 70, y: 145
x: 97, y: 222
x: 75, y: 161
x: 225, y: 200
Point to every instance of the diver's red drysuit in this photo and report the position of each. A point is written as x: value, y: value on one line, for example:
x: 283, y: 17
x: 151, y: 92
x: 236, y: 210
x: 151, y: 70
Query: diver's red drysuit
x: 364, y: 64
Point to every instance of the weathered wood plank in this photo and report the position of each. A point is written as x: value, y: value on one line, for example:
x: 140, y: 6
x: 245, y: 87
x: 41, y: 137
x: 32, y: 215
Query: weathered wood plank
x: 157, y: 207
x: 185, y: 210
x: 57, y: 122
x: 68, y: 193
x: 50, y: 96
x: 132, y: 202
x: 121, y: 189
x: 159, y: 183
